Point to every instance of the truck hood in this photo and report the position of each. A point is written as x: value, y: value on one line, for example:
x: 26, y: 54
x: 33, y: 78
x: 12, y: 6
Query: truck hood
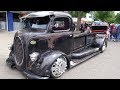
x: 28, y: 34
x: 50, y: 37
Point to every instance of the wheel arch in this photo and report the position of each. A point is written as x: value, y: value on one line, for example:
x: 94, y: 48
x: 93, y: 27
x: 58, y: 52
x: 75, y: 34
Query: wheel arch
x: 101, y: 41
x: 49, y: 58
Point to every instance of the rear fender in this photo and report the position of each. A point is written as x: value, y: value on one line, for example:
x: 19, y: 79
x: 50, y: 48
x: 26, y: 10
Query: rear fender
x: 100, y: 41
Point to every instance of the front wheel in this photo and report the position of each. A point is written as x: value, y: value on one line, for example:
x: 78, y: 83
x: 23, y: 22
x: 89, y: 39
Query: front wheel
x: 58, y: 67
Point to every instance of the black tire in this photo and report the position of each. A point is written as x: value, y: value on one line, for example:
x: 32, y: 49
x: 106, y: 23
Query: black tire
x: 102, y: 49
x: 52, y: 75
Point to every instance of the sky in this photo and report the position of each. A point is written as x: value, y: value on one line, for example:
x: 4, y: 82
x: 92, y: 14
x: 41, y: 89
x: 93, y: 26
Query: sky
x: 116, y: 12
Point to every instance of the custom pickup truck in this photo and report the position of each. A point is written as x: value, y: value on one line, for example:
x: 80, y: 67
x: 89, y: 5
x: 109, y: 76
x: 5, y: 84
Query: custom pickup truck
x: 48, y: 45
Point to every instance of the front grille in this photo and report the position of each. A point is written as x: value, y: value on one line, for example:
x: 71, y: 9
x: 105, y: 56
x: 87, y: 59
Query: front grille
x: 41, y: 46
x: 19, y: 52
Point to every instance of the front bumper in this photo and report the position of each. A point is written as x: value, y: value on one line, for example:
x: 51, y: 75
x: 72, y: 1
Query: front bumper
x: 30, y: 75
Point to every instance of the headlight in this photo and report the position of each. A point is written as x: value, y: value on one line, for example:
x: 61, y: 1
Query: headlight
x: 9, y: 46
x: 34, y: 56
x: 33, y: 42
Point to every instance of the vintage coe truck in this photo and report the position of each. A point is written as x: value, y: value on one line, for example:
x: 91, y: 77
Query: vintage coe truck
x: 49, y: 45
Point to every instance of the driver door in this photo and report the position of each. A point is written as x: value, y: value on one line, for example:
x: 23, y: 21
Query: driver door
x: 79, y: 40
x: 65, y: 36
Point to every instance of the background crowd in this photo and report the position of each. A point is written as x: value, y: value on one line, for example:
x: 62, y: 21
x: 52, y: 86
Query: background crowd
x: 113, y: 31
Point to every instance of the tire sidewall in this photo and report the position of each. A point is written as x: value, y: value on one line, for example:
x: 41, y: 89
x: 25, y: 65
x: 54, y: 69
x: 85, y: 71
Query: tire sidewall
x: 101, y: 49
x: 51, y: 75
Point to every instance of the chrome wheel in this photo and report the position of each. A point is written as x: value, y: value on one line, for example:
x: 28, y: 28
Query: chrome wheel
x: 59, y: 67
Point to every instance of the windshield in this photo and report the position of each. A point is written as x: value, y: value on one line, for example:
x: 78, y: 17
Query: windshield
x: 38, y: 23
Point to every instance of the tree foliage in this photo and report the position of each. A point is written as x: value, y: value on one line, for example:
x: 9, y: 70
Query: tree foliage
x: 117, y: 18
x: 76, y: 13
x: 79, y: 15
x: 107, y: 16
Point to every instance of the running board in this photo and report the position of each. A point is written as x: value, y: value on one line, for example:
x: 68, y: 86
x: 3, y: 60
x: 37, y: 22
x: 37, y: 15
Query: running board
x: 84, y: 53
x: 76, y: 62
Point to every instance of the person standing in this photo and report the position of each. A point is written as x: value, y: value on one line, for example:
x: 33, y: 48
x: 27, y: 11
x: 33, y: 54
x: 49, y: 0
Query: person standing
x: 112, y: 27
x: 115, y: 33
x: 82, y: 28
x: 118, y: 32
x: 88, y: 30
x: 108, y: 33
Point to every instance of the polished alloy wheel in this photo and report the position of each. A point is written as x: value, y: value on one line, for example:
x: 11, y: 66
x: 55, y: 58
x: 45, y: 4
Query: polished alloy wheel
x: 59, y: 67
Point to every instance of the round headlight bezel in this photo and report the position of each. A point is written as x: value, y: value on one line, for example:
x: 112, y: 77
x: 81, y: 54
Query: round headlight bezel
x: 34, y: 56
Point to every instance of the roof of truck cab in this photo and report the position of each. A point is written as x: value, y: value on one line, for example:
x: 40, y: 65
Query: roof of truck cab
x: 46, y: 13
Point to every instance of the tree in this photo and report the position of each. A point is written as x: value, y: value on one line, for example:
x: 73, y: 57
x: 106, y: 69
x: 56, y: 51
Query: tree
x: 107, y: 16
x: 74, y: 13
x: 79, y: 15
x: 117, y: 18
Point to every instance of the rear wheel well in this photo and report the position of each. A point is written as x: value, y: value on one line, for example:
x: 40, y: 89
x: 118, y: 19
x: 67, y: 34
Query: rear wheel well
x: 105, y: 42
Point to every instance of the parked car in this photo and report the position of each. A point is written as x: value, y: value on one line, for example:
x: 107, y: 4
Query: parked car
x: 100, y: 30
x: 48, y: 45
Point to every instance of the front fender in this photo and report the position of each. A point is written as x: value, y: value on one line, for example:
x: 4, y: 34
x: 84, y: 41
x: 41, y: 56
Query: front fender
x: 49, y: 57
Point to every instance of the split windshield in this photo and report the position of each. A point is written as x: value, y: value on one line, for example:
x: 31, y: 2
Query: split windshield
x: 39, y: 23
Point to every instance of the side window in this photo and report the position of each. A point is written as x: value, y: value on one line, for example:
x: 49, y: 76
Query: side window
x: 61, y: 23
